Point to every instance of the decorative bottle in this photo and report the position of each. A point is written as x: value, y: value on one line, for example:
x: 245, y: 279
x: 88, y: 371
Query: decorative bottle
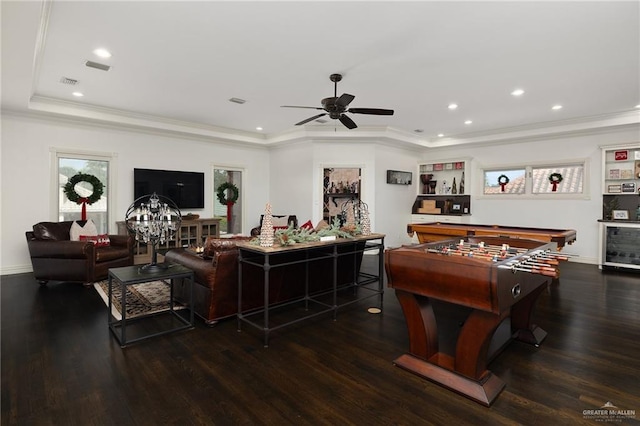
x: 462, y: 184
x: 454, y: 187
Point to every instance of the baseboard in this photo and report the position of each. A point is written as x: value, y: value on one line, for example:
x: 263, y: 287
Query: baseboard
x: 16, y: 269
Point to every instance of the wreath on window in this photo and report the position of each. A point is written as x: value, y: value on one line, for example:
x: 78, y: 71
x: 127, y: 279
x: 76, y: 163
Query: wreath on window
x: 72, y: 195
x: 222, y: 193
x: 502, y: 181
x: 555, y: 179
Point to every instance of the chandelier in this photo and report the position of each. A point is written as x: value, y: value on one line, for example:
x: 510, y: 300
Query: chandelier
x: 154, y: 219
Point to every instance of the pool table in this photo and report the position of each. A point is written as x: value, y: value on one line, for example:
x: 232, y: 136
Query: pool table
x: 437, y: 231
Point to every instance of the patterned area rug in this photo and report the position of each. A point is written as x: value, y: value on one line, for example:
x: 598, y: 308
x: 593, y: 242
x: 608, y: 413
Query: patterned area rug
x: 142, y: 299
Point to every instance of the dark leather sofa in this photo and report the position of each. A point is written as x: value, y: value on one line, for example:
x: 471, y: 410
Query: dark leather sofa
x: 216, y: 278
x: 55, y: 257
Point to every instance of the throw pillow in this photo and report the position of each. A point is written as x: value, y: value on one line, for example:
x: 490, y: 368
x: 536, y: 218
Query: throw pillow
x: 76, y: 230
x: 280, y: 222
x: 101, y: 240
x: 307, y: 225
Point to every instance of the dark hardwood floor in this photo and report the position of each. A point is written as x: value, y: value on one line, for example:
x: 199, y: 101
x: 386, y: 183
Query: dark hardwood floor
x: 61, y: 366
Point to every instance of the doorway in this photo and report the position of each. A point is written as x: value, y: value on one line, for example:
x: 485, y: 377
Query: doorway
x: 340, y: 185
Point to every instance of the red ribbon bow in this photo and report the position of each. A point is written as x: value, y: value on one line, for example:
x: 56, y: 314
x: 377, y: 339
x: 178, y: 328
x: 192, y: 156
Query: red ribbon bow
x: 83, y: 201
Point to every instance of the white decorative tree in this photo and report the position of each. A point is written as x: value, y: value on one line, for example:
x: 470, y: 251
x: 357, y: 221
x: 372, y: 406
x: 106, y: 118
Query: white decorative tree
x: 266, y: 231
x: 365, y: 221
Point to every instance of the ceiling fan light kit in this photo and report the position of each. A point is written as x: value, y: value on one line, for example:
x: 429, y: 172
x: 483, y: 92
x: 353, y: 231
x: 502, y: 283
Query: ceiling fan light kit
x: 336, y: 107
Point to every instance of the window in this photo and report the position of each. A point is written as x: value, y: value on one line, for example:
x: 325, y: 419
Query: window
x: 505, y: 181
x: 546, y: 179
x: 571, y: 177
x: 69, y: 165
x: 230, y: 216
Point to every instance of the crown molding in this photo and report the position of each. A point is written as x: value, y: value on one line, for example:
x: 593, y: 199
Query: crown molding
x: 95, y: 115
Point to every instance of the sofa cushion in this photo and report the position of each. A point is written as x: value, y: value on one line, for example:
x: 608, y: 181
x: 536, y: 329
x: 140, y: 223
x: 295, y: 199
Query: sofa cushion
x: 53, y: 231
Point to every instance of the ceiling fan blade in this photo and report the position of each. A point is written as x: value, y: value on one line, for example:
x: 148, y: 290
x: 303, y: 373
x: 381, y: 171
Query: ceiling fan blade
x: 372, y: 111
x: 344, y: 100
x: 349, y: 124
x: 310, y: 119
x: 296, y: 106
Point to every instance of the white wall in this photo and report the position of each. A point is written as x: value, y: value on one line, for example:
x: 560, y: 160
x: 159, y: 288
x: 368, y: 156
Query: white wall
x: 581, y: 215
x: 297, y: 172
x: 26, y: 144
x: 290, y: 177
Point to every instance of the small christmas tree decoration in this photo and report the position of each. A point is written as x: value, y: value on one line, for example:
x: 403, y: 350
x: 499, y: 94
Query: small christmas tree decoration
x: 365, y: 222
x: 266, y: 231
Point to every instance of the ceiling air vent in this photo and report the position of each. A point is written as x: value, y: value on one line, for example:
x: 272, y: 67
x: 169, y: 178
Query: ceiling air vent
x: 237, y: 100
x: 69, y: 81
x: 97, y: 66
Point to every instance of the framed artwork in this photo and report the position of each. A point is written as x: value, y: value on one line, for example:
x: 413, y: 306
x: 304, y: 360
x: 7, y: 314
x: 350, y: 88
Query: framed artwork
x: 456, y: 208
x: 629, y: 187
x: 399, y: 178
x: 614, y: 188
x: 620, y: 214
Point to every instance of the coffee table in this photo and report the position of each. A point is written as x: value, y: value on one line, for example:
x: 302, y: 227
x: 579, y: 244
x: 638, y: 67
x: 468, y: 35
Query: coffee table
x: 130, y: 275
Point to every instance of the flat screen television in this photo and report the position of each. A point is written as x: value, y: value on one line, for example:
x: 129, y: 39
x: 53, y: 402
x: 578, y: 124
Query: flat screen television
x: 186, y: 189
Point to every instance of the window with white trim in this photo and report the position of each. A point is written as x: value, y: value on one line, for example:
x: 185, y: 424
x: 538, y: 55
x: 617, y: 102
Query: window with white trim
x: 540, y: 179
x: 69, y: 165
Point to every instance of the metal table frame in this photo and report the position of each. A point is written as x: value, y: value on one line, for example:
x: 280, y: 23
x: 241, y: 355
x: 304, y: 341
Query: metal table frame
x: 130, y: 275
x: 263, y: 257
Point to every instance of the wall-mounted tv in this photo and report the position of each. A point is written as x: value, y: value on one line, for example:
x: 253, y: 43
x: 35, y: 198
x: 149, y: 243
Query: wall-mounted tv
x: 186, y: 189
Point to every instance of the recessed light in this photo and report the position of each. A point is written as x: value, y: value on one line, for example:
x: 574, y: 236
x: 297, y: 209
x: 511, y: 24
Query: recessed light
x: 638, y: 106
x: 440, y: 135
x: 258, y: 128
x: 556, y: 107
x: 468, y: 122
x: 452, y: 106
x: 78, y: 94
x: 103, y: 53
x: 517, y: 92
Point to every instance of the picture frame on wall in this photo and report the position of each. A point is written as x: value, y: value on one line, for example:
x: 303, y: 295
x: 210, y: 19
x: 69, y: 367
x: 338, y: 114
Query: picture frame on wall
x: 396, y: 177
x: 614, y: 189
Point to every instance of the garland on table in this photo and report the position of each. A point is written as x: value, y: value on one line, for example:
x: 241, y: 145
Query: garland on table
x: 73, y: 196
x: 555, y: 179
x: 230, y: 201
x: 503, y: 180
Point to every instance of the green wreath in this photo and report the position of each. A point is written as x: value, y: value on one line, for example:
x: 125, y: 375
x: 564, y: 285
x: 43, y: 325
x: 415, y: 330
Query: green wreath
x: 503, y: 179
x: 555, y: 178
x: 222, y: 193
x: 72, y: 195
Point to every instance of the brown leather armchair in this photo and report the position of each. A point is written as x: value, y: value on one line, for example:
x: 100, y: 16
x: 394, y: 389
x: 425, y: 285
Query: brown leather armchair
x: 55, y: 257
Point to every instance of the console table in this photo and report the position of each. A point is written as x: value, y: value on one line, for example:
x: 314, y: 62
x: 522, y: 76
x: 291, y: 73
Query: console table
x: 129, y: 275
x: 363, y: 286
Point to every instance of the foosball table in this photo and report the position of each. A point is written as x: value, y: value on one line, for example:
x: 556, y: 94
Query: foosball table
x: 464, y: 300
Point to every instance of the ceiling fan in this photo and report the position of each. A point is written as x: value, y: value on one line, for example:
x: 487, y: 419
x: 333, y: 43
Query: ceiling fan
x: 336, y: 107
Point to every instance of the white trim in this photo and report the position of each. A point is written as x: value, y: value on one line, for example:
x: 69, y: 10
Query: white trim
x: 528, y: 167
x: 243, y: 196
x: 110, y: 157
